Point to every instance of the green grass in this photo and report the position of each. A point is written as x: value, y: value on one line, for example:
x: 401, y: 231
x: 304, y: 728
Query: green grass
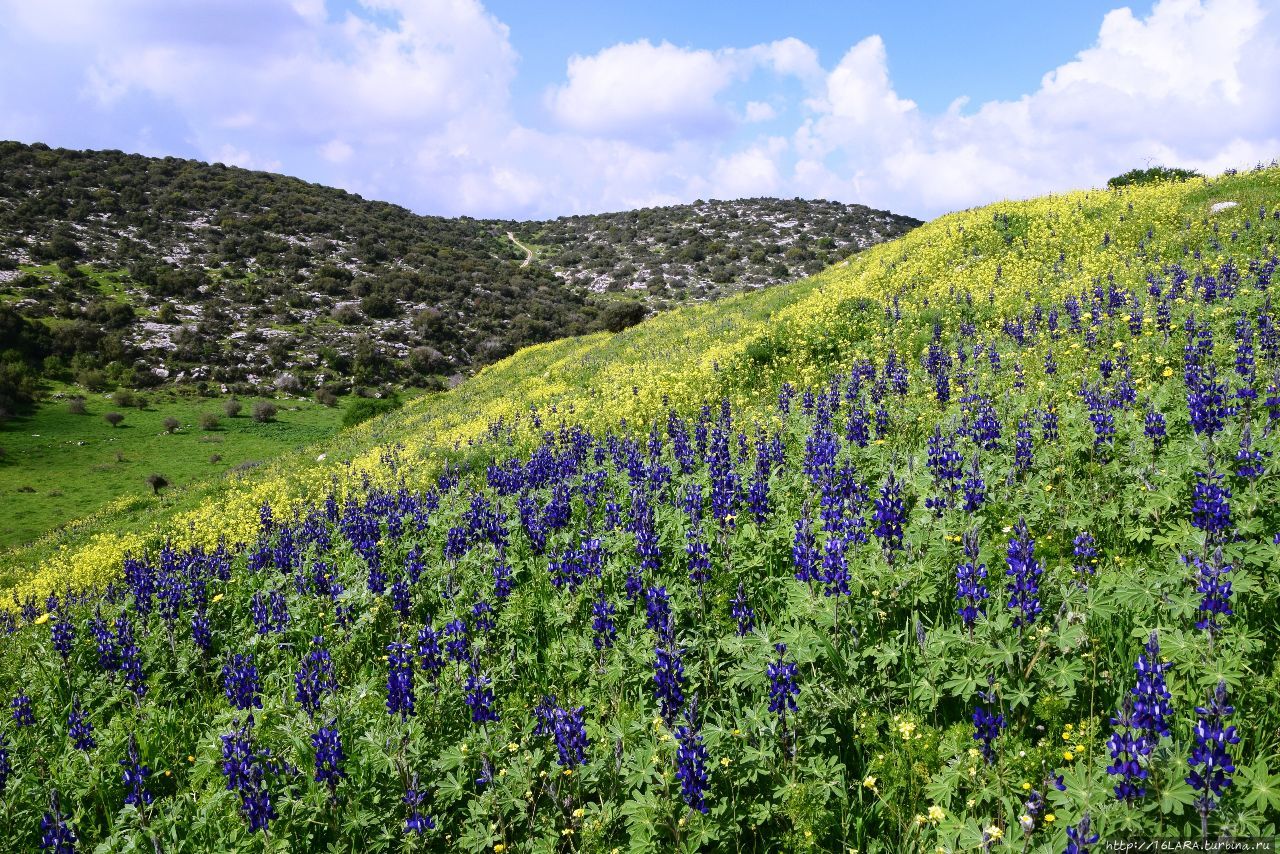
x: 76, y: 464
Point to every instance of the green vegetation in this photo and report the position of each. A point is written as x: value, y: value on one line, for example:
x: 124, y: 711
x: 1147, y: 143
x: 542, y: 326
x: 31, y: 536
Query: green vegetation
x: 59, y: 466
x: 1152, y: 175
x: 360, y: 409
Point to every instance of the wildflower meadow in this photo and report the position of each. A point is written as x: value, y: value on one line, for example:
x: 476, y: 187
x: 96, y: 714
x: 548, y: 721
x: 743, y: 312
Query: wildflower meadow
x: 967, y: 544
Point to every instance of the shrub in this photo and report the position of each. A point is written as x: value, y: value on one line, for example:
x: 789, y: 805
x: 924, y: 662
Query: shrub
x: 76, y: 406
x: 232, y: 408
x: 214, y: 459
x: 363, y: 408
x: 1153, y: 175
x: 326, y: 397
x: 208, y: 421
x: 171, y: 424
x: 264, y: 411
x: 157, y: 482
x: 141, y: 402
x: 113, y: 418
x: 123, y: 397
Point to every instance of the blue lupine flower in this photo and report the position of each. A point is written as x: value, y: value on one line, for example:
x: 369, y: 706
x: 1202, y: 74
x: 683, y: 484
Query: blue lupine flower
x: 741, y: 611
x: 1251, y: 462
x: 1023, y: 446
x: 691, y: 766
x: 261, y: 614
x: 1215, y: 592
x: 201, y: 635
x: 416, y: 822
x: 429, y: 652
x: 1024, y: 571
x: 566, y: 727
x: 804, y: 551
x: 79, y: 730
x: 1151, y: 706
x: 501, y: 580
x: 1129, y: 749
x: 1049, y: 425
x: 986, y: 729
x: 1154, y: 428
x: 945, y: 464
x: 130, y: 663
x: 240, y: 682
x: 1085, y: 550
x: 1206, y: 400
x: 314, y: 678
x: 890, y: 513
x: 1210, y: 510
x: 22, y: 714
x: 699, y: 559
x: 602, y: 627
x: 330, y: 757
x: 6, y: 762
x: 457, y: 646
x: 135, y: 776
x: 482, y: 612
x: 782, y: 684
x: 64, y: 635
x: 1079, y: 837
x: 971, y: 592
x: 657, y: 612
x: 668, y: 681
x: 105, y: 643
x: 975, y: 488
x: 56, y: 834
x: 479, y: 697
x: 1210, y: 761
x: 835, y: 569
x: 246, y: 769
x: 400, y: 696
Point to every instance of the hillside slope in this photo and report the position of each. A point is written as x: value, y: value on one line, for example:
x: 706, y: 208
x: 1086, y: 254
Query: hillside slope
x: 866, y: 561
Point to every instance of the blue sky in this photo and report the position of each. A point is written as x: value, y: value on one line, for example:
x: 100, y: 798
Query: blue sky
x: 938, y: 51
x: 518, y: 109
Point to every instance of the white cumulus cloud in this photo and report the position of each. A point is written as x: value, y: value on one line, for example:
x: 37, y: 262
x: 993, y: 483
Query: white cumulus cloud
x: 411, y: 101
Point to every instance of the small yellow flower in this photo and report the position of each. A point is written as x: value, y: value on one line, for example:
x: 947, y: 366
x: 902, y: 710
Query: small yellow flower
x: 502, y: 772
x: 994, y: 833
x: 190, y: 758
x: 579, y: 812
x: 1026, y: 786
x: 725, y: 761
x: 869, y: 783
x: 512, y: 747
x: 217, y: 598
x: 936, y: 814
x: 1068, y: 755
x: 41, y: 620
x: 499, y: 848
x: 1050, y: 818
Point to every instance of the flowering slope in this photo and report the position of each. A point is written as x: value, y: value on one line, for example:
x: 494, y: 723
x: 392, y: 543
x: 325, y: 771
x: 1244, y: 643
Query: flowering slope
x: 964, y: 544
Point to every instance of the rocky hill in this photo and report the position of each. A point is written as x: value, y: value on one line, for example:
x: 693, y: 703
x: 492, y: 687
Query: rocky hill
x: 709, y: 249
x: 151, y: 270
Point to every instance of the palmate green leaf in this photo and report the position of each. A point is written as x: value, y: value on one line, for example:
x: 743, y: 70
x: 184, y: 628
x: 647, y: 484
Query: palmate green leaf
x: 1262, y: 788
x: 1176, y: 795
x: 1064, y: 673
